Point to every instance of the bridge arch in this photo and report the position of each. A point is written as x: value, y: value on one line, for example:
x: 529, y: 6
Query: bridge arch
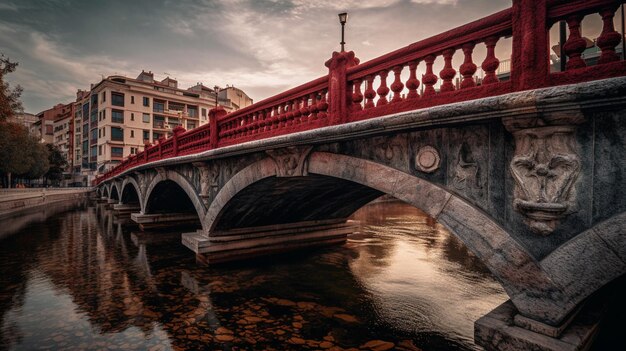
x: 114, y: 192
x: 530, y: 288
x: 131, y: 192
x: 180, y: 181
x: 105, y: 190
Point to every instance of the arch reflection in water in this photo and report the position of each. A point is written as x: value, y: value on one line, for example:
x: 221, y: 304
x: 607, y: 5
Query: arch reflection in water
x: 84, y: 280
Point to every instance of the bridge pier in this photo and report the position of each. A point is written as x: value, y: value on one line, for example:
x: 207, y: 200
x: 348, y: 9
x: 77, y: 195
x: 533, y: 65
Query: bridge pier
x: 125, y: 209
x: 505, y: 329
x: 240, y: 243
x: 164, y: 220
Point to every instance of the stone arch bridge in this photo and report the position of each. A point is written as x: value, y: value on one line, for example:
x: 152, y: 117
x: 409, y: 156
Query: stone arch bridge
x: 529, y: 173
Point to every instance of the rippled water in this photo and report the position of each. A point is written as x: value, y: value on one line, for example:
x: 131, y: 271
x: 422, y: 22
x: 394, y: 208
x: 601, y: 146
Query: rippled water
x: 81, y: 280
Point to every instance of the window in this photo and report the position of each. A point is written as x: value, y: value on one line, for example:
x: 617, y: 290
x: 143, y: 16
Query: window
x: 173, y: 122
x: 117, y: 99
x: 100, y: 150
x: 133, y: 150
x: 104, y: 114
x: 85, y: 110
x: 104, y: 96
x: 191, y: 125
x: 146, y: 118
x: 117, y: 151
x: 132, y: 133
x: 85, y: 147
x: 132, y: 99
x: 104, y: 131
x: 156, y: 136
x: 117, y: 134
x: 175, y: 106
x: 159, y: 121
x: 94, y: 116
x: 85, y: 130
x: 49, y: 130
x: 93, y: 152
x: 192, y: 111
x: 159, y: 106
x: 99, y: 133
x: 117, y: 116
x: 146, y: 101
x: 132, y: 116
x: 94, y: 134
x: 203, y: 113
x: 146, y: 135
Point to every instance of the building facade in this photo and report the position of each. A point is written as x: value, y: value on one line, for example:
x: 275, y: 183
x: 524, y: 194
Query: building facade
x: 120, y: 115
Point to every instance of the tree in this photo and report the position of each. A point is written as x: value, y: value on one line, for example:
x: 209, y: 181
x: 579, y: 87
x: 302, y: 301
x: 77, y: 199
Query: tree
x: 57, y: 164
x: 10, y: 103
x: 21, y: 154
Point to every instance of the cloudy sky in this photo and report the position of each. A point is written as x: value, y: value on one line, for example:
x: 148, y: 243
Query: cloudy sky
x: 262, y: 47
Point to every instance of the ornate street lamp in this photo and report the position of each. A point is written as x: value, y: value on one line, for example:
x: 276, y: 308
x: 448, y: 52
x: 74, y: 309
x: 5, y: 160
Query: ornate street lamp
x: 343, y: 18
x: 216, y: 89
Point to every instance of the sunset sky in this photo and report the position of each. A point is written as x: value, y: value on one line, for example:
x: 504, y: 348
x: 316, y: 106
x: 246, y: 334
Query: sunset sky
x: 262, y: 47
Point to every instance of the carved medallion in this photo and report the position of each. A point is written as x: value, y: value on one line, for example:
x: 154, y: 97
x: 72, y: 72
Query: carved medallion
x: 427, y: 159
x: 545, y: 167
x: 291, y: 161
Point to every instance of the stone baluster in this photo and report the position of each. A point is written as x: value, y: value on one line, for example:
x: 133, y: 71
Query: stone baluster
x: 357, y: 96
x: 412, y: 83
x: 468, y: 68
x: 397, y: 85
x: 575, y: 44
x: 609, y: 38
x: 382, y: 90
x: 447, y: 73
x: 491, y: 63
x: 370, y: 93
x: 429, y: 79
x: 322, y: 106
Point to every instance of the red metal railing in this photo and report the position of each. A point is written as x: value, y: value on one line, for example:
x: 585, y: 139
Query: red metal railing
x: 354, y: 91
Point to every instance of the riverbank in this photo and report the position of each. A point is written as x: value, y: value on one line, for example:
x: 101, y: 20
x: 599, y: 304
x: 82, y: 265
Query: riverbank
x: 15, y: 202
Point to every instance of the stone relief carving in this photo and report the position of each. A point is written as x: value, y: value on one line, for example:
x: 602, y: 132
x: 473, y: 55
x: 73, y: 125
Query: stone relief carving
x: 545, y: 167
x: 427, y: 159
x: 209, y: 174
x: 467, y: 170
x: 291, y: 161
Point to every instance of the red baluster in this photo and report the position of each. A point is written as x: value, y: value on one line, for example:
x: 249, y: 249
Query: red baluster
x: 275, y: 117
x: 322, y: 106
x: 468, y: 68
x: 491, y: 63
x: 282, y: 115
x: 397, y: 85
x: 357, y: 96
x: 304, y: 110
x: 296, y: 111
x: 412, y: 83
x: 370, y: 93
x: 575, y: 44
x: 447, y: 73
x: 609, y: 38
x: 289, y: 114
x: 429, y: 79
x: 382, y: 90
x: 313, y: 107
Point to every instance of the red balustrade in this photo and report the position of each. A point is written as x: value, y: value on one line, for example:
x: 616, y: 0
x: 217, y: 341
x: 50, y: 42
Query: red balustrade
x: 354, y: 91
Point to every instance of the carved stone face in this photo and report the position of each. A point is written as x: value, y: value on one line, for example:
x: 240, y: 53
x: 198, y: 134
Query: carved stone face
x: 545, y: 167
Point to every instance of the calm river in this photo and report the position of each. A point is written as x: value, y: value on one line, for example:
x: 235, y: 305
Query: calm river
x: 79, y: 279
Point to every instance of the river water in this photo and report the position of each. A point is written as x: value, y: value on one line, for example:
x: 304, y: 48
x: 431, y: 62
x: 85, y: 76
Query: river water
x: 80, y: 279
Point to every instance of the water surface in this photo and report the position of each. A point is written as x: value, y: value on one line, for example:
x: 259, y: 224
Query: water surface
x: 80, y: 279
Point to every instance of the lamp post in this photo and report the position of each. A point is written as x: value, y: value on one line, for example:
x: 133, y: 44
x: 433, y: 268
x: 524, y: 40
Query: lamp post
x: 216, y: 89
x: 343, y: 18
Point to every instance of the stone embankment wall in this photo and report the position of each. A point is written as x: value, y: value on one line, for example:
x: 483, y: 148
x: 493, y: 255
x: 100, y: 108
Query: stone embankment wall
x: 15, y: 201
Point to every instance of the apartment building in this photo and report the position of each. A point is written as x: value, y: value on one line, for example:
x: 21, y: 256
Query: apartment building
x: 119, y: 115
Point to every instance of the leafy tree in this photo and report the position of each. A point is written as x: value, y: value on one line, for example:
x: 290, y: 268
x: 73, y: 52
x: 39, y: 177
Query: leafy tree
x: 21, y: 154
x: 9, y: 98
x: 57, y: 164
